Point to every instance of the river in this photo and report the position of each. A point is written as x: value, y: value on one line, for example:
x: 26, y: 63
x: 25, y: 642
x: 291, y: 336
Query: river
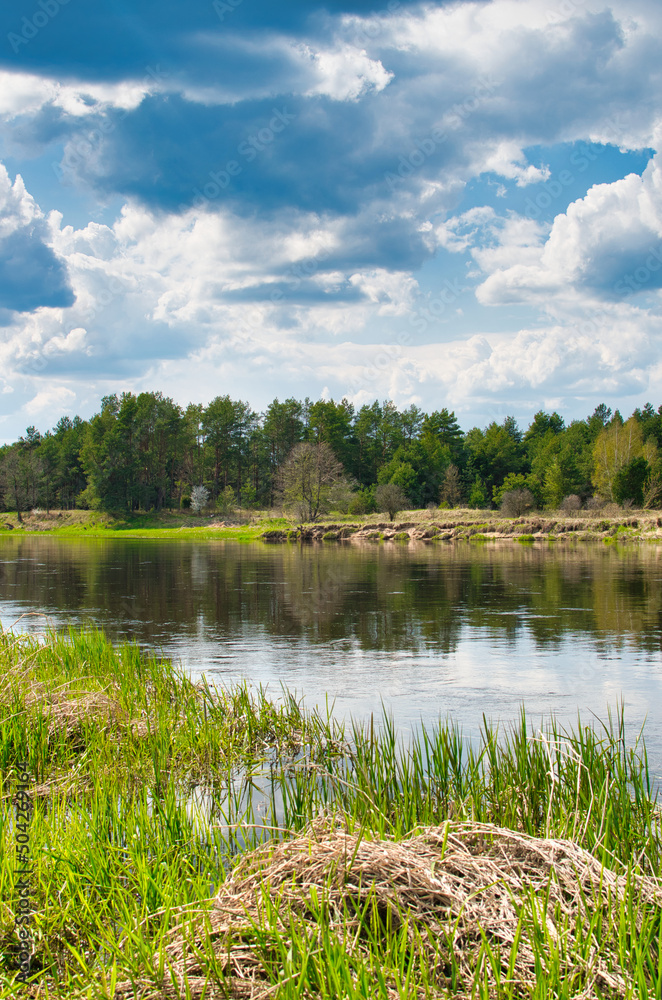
x: 427, y: 631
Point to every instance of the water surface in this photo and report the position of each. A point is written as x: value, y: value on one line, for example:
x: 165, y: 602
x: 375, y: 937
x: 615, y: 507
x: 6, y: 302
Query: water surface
x: 427, y: 630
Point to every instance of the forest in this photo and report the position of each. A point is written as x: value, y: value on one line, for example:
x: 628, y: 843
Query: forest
x: 145, y: 452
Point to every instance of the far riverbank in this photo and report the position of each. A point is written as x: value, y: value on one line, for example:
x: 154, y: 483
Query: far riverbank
x: 612, y: 524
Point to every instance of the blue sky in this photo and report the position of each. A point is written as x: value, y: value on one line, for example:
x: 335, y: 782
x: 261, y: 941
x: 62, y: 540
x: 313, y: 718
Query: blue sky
x: 451, y: 204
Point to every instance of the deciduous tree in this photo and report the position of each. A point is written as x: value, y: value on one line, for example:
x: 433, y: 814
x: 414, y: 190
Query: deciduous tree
x: 391, y: 498
x: 307, y: 479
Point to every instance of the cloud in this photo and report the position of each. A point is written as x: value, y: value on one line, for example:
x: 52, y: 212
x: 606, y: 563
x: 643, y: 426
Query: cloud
x: 95, y: 43
x: 57, y: 399
x: 363, y: 98
x: 378, y: 120
x: 286, y: 172
x: 345, y: 74
x: 607, y: 244
x: 31, y: 275
x: 27, y: 94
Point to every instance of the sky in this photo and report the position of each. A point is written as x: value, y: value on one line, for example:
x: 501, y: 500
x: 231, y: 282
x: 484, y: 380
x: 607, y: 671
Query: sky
x: 446, y: 204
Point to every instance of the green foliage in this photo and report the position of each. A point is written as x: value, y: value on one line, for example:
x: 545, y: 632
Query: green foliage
x: 248, y: 496
x: 226, y: 425
x: 615, y: 449
x: 630, y: 480
x: 310, y: 479
x: 226, y: 501
x: 401, y: 474
x: 518, y: 481
x: 363, y: 501
x: 543, y: 425
x: 89, y: 499
x: 331, y: 423
x: 139, y: 453
x: 556, y: 486
x: 496, y: 452
x: 478, y: 494
x: 651, y: 423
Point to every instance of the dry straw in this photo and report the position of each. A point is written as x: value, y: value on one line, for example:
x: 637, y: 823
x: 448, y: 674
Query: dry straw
x: 471, y: 895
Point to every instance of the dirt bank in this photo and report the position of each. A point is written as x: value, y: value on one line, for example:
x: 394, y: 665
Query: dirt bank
x: 451, y: 526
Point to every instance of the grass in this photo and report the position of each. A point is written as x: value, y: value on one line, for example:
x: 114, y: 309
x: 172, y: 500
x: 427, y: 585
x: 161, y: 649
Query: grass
x: 248, y: 526
x: 163, y: 525
x: 153, y: 794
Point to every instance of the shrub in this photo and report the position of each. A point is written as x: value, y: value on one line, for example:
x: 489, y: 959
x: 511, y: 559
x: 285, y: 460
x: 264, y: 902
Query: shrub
x: 518, y: 481
x: 653, y: 491
x: 88, y: 499
x: 199, y: 498
x: 226, y: 500
x: 363, y: 501
x: 478, y: 494
x: 248, y: 496
x: 451, y: 488
x: 392, y: 498
x: 571, y: 503
x: 514, y: 503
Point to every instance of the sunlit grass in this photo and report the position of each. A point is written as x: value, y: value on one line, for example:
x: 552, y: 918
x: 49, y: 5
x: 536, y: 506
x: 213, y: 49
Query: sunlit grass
x: 149, y: 789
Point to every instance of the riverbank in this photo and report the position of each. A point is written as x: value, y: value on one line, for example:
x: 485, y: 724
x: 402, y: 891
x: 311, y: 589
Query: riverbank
x: 186, y: 841
x: 163, y: 525
x: 608, y: 525
x: 476, y: 527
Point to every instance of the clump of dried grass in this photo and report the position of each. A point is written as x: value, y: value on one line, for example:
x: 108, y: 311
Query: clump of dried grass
x: 64, y: 708
x: 65, y: 705
x: 453, y: 887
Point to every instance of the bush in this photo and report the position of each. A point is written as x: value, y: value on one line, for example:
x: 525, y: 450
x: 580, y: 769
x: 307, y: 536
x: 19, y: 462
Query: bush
x: 363, y: 501
x: 199, y: 498
x: 478, y: 494
x: 653, y: 491
x: 226, y: 501
x: 248, y: 497
x: 88, y: 499
x: 392, y: 498
x: 571, y: 503
x: 514, y: 503
x: 518, y: 481
x: 450, y: 494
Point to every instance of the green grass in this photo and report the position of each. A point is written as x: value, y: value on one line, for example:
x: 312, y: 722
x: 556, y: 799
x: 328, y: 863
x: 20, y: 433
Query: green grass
x: 150, y: 788
x: 164, y: 525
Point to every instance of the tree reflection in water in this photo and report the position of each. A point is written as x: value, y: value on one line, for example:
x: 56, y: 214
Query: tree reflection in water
x: 465, y: 628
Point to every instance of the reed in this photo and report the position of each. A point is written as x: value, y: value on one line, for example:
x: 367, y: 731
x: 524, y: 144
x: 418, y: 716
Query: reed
x: 161, y: 803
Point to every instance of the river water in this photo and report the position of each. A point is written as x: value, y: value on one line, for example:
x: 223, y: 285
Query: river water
x: 426, y: 631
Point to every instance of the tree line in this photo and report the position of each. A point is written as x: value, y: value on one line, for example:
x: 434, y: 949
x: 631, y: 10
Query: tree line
x: 145, y: 452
